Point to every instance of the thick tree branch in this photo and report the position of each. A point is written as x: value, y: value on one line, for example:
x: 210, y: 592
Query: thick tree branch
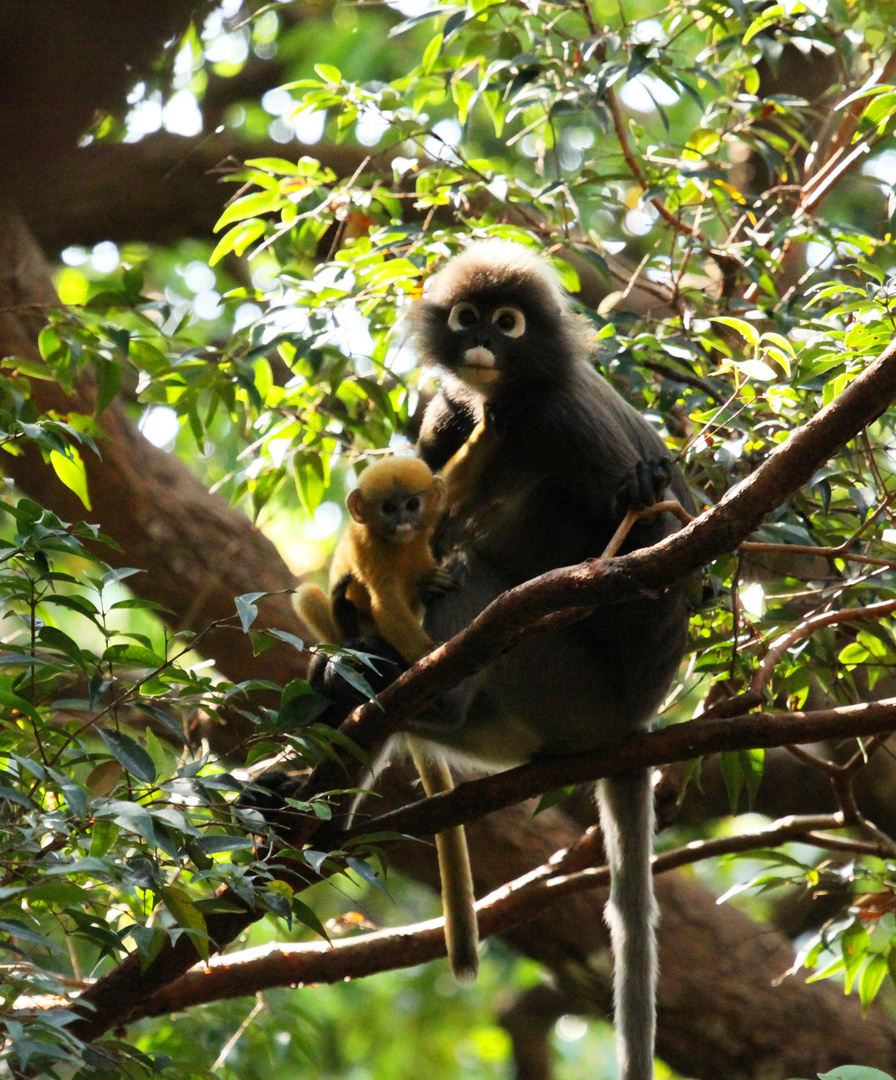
x: 473, y: 798
x: 282, y: 964
x: 641, y: 573
x: 197, y: 552
x: 160, y: 190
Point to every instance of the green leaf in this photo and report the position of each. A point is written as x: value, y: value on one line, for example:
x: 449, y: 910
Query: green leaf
x: 20, y: 932
x: 328, y: 73
x: 69, y: 467
x: 188, y: 916
x: 135, y: 603
x: 854, y: 1072
x: 431, y: 54
x: 250, y: 206
x: 237, y: 239
x: 129, y: 754
x: 872, y: 977
x: 746, y: 330
x: 366, y: 872
x: 354, y: 678
x: 854, y: 948
x: 215, y: 843
x: 552, y: 798
x: 247, y: 609
x: 733, y: 776
x: 56, y: 639
x: 157, y: 752
x: 305, y: 915
x: 103, y: 836
x: 136, y: 655
x: 108, y: 381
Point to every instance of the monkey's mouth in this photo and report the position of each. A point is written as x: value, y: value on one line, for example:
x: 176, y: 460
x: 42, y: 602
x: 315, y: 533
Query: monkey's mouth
x: 479, y: 357
x: 404, y: 534
x: 479, y: 369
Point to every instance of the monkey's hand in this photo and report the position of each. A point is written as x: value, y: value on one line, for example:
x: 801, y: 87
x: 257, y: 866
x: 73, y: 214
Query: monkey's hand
x: 643, y: 487
x: 437, y: 582
x: 267, y: 795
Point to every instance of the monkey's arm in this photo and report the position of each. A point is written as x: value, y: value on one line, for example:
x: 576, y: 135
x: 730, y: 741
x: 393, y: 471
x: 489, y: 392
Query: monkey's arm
x: 397, y: 622
x: 464, y: 470
x: 447, y: 425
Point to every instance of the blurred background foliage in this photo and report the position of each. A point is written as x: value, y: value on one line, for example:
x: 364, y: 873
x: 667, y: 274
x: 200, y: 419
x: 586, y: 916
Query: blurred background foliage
x: 713, y: 180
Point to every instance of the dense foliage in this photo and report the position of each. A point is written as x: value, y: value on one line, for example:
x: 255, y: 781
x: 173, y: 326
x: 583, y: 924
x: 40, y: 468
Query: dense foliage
x: 716, y: 183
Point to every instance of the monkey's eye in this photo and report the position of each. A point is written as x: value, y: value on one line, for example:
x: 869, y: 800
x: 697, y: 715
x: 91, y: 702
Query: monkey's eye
x: 462, y: 317
x: 510, y: 321
x: 413, y: 503
x: 388, y: 507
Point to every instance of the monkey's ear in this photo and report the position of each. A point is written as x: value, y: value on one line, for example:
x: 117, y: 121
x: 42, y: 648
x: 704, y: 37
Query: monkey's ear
x: 439, y: 492
x: 355, y: 504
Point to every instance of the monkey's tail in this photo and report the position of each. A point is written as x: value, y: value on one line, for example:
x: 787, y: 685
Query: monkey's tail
x: 313, y: 607
x: 627, y: 820
x: 458, y: 898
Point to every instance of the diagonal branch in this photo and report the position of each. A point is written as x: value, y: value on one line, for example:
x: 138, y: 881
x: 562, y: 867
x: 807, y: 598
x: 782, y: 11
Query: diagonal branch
x: 641, y: 573
x: 300, y: 964
x: 473, y: 799
x: 497, y: 629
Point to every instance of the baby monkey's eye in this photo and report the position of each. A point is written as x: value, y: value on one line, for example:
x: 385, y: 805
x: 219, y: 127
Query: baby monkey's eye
x: 510, y: 321
x: 462, y: 317
x: 413, y: 502
x: 389, y: 507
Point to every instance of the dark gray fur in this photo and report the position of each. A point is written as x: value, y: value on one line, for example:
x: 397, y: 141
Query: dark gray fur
x: 552, y: 496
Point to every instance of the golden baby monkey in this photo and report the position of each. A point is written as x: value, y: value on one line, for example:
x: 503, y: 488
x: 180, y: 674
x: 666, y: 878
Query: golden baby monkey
x: 382, y: 569
x: 383, y: 562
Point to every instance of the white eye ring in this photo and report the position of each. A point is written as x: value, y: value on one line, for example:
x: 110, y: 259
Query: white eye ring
x: 462, y: 317
x: 513, y: 329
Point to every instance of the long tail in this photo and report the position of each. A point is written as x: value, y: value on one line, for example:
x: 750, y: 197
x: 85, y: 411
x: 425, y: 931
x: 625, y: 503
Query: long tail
x: 458, y: 898
x: 627, y: 820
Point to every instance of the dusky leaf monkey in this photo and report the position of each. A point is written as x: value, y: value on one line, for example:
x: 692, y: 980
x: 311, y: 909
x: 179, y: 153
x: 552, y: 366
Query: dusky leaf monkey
x: 561, y: 459
x: 382, y: 570
x: 553, y: 459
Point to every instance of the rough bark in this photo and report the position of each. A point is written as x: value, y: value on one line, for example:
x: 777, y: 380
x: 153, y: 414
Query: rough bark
x: 197, y: 553
x: 726, y: 1007
x: 720, y: 1012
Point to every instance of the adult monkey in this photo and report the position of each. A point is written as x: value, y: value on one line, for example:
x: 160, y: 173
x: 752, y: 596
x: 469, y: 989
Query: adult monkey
x: 563, y: 459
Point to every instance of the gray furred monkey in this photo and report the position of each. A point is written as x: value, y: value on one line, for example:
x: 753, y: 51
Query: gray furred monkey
x: 564, y: 458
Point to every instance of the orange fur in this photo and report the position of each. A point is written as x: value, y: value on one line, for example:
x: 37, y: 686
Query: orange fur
x: 388, y: 571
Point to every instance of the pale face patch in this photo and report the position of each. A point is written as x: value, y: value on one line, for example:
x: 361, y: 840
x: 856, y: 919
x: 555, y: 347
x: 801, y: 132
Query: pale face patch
x: 478, y: 369
x: 479, y: 357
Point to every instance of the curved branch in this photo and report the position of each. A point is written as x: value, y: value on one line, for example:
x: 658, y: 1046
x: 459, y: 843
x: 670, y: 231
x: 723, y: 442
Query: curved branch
x: 473, y: 799
x: 644, y: 572
x: 286, y: 964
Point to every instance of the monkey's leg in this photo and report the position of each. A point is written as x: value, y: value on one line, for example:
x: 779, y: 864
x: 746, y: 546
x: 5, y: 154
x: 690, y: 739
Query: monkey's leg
x: 627, y: 821
x: 325, y: 676
x: 345, y: 614
x: 458, y: 898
